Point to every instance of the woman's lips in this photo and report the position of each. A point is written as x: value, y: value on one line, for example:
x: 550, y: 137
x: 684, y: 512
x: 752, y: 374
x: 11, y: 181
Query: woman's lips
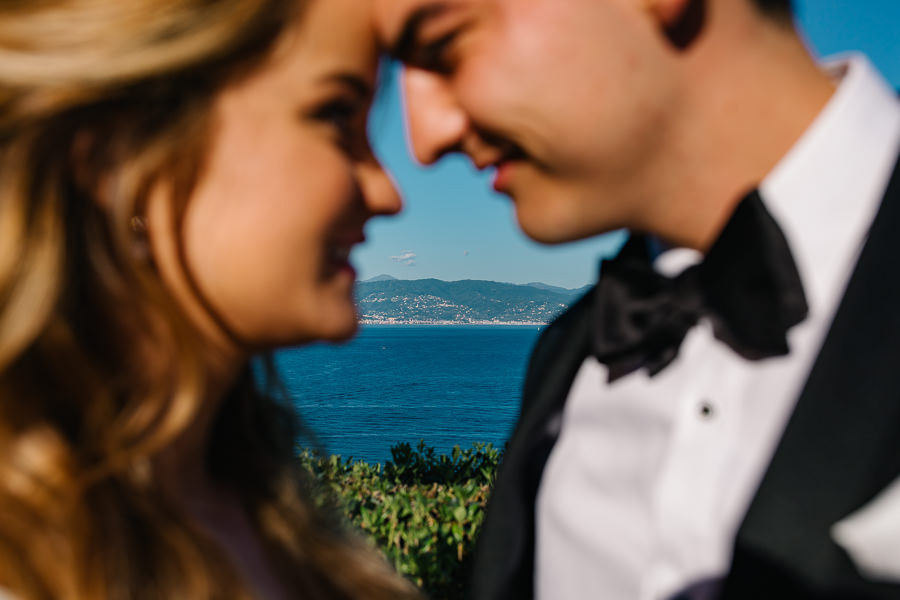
x: 337, y: 254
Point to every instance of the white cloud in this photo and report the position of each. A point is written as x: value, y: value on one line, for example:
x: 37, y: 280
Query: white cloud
x: 407, y: 258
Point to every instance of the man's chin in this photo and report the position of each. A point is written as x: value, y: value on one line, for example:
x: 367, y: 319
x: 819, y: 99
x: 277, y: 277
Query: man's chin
x: 545, y: 235
x: 550, y: 229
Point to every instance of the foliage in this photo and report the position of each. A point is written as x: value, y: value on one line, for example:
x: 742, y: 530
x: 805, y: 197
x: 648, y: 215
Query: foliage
x: 423, y: 510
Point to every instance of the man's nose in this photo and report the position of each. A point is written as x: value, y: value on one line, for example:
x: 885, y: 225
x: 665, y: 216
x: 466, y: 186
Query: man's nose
x: 378, y: 189
x: 436, y: 122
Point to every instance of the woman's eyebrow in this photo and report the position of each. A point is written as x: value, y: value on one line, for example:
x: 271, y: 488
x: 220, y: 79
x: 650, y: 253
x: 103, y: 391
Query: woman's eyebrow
x: 408, y: 38
x: 356, y: 84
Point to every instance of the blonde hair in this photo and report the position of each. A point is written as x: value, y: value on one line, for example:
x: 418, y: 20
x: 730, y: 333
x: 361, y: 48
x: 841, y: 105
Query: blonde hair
x: 100, y: 101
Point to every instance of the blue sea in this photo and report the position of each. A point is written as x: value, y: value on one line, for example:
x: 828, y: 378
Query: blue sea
x: 448, y: 385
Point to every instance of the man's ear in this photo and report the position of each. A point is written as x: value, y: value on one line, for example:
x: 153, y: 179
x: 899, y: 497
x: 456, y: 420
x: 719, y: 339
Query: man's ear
x: 667, y: 12
x: 680, y: 20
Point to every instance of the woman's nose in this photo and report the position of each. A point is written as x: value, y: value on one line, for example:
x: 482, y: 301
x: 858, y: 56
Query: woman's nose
x: 378, y: 188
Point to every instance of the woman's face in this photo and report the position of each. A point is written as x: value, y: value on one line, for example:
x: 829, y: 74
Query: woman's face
x: 288, y: 185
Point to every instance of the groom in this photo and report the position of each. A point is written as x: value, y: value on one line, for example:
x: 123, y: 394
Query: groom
x: 720, y: 416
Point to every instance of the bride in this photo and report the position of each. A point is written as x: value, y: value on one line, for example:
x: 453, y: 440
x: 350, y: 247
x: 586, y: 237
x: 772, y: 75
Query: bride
x: 181, y: 183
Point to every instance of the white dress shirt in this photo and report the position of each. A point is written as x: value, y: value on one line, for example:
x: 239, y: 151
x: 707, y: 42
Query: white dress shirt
x: 648, y: 483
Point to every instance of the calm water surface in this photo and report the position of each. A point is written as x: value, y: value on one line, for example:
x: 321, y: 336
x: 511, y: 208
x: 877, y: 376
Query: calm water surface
x: 401, y: 383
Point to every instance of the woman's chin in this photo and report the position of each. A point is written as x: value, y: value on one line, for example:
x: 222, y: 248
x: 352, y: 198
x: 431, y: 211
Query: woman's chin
x: 337, y: 327
x: 343, y: 334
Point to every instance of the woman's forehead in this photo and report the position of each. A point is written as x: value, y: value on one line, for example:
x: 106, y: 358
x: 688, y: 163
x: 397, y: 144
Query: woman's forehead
x: 331, y: 37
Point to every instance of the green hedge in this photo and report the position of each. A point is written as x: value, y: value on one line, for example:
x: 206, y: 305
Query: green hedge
x: 423, y: 510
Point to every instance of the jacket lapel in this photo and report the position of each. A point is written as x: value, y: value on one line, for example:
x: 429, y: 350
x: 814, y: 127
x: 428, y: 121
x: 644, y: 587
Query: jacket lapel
x: 841, y: 445
x: 505, y: 556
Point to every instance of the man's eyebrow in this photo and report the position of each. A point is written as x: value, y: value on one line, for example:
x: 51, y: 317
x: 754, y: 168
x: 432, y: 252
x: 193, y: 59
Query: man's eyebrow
x: 406, y: 41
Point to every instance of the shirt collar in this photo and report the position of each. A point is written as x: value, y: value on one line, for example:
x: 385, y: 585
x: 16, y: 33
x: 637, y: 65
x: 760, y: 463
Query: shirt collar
x: 825, y: 192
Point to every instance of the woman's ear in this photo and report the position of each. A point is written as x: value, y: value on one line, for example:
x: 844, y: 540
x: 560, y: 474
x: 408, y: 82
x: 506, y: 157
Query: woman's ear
x: 90, y: 176
x: 80, y: 158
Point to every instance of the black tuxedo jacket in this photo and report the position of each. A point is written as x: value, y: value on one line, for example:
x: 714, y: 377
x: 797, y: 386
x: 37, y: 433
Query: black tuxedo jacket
x: 840, y: 448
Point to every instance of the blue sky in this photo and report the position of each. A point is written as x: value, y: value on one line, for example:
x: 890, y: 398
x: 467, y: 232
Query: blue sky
x: 454, y: 227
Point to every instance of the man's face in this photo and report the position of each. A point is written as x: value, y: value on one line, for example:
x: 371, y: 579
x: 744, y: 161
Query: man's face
x: 568, y: 99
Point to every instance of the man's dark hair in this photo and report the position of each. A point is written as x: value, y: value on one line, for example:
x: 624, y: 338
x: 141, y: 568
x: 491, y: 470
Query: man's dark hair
x: 780, y: 9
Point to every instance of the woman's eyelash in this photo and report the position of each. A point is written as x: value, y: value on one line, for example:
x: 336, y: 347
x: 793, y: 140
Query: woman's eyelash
x: 347, y: 120
x: 338, y: 112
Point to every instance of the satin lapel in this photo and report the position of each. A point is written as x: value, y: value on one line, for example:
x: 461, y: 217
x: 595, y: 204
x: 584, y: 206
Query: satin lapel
x: 842, y: 443
x: 504, y: 562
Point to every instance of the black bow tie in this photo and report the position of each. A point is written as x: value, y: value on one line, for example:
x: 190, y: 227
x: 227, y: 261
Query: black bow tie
x: 747, y: 285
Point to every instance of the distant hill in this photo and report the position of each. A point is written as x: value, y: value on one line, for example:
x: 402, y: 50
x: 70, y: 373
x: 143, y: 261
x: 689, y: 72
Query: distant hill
x: 380, y: 278
x: 559, y: 290
x: 392, y: 300
x: 549, y: 288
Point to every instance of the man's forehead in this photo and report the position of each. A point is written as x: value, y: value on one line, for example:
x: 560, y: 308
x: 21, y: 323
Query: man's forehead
x: 393, y: 18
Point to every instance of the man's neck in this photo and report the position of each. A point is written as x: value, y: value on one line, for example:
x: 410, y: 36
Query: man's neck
x: 751, y: 92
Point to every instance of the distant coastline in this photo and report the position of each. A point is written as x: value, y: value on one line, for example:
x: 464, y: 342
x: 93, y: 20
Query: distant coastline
x: 427, y: 322
x: 388, y: 301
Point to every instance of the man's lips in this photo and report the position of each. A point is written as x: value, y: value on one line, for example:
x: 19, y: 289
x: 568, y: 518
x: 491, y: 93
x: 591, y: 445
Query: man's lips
x: 504, y: 164
x: 505, y: 169
x: 502, y: 175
